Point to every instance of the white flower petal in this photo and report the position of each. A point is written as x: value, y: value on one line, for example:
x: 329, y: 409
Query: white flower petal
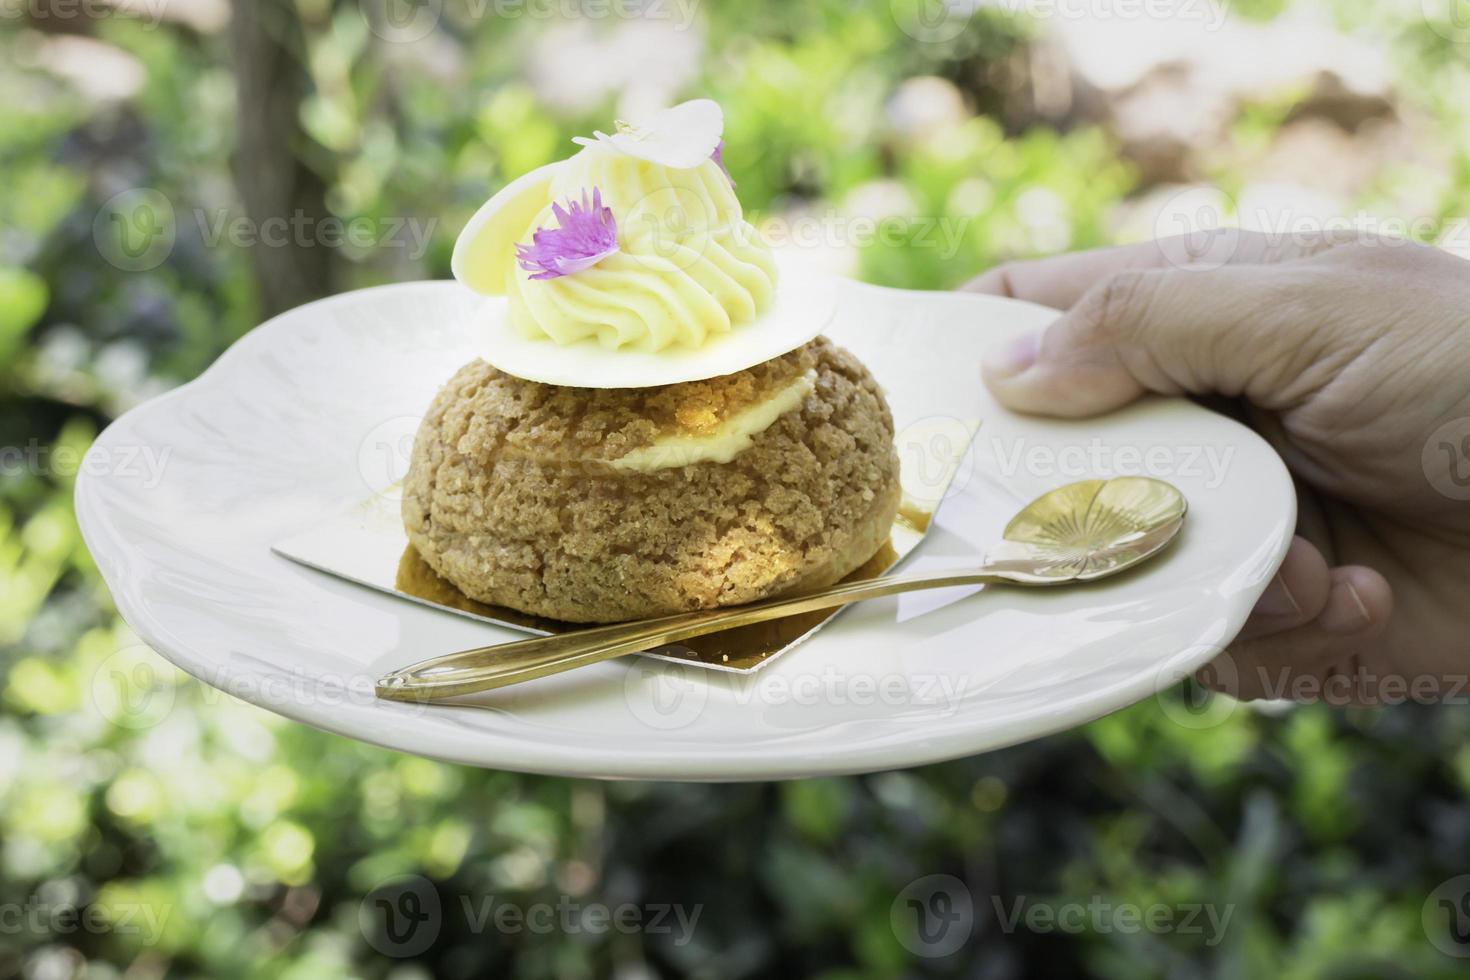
x: 682, y: 136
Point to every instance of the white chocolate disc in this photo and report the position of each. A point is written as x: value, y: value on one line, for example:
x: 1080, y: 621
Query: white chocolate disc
x: 486, y: 248
x: 804, y: 305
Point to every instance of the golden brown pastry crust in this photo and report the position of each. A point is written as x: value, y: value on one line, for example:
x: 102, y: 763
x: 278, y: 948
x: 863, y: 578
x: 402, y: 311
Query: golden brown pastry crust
x: 509, y: 495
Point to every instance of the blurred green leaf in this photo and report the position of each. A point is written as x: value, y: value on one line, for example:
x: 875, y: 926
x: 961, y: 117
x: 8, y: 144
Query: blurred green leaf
x: 23, y: 298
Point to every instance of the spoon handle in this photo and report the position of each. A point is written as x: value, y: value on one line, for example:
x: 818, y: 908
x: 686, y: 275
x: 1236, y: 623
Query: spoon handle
x: 487, y: 668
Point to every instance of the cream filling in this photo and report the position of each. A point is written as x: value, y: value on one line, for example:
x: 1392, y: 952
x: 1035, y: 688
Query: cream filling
x: 730, y: 439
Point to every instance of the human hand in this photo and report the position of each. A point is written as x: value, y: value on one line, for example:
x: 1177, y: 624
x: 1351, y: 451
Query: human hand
x: 1352, y: 358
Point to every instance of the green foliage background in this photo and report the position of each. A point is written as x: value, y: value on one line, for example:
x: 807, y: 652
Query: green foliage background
x: 254, y: 841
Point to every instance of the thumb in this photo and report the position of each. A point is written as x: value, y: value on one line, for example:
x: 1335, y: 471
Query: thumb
x: 1171, y: 331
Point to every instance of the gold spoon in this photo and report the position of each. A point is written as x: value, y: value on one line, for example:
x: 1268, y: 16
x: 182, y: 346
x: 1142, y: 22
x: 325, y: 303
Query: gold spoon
x: 1077, y: 533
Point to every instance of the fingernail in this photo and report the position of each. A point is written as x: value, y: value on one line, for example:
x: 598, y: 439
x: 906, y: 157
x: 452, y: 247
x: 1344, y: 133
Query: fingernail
x: 1010, y: 359
x: 1277, y: 600
x: 1345, y: 612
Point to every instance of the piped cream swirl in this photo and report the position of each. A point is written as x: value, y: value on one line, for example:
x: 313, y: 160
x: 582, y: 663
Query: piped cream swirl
x: 689, y: 266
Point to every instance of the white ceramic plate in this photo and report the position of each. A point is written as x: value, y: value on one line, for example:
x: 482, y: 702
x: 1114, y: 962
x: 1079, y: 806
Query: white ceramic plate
x: 316, y: 409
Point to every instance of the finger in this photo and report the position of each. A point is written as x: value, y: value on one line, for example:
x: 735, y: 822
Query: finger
x: 1296, y: 596
x: 1273, y: 334
x: 1296, y: 663
x: 1061, y: 280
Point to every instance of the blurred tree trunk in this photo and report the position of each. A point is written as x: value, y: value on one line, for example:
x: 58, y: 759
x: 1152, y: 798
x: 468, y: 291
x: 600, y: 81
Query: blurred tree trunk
x: 269, y: 50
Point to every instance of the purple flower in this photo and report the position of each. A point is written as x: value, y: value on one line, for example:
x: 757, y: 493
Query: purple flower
x: 718, y: 156
x: 586, y: 234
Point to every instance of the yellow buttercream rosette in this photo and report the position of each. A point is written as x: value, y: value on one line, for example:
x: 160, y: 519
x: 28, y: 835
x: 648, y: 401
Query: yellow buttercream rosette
x: 637, y: 242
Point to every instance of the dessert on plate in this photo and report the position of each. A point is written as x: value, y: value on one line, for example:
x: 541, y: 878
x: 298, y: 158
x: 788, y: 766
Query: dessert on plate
x: 656, y: 424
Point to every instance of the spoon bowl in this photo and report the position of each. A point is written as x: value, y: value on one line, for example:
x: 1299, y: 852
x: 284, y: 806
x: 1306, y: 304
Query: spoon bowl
x: 1088, y: 530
